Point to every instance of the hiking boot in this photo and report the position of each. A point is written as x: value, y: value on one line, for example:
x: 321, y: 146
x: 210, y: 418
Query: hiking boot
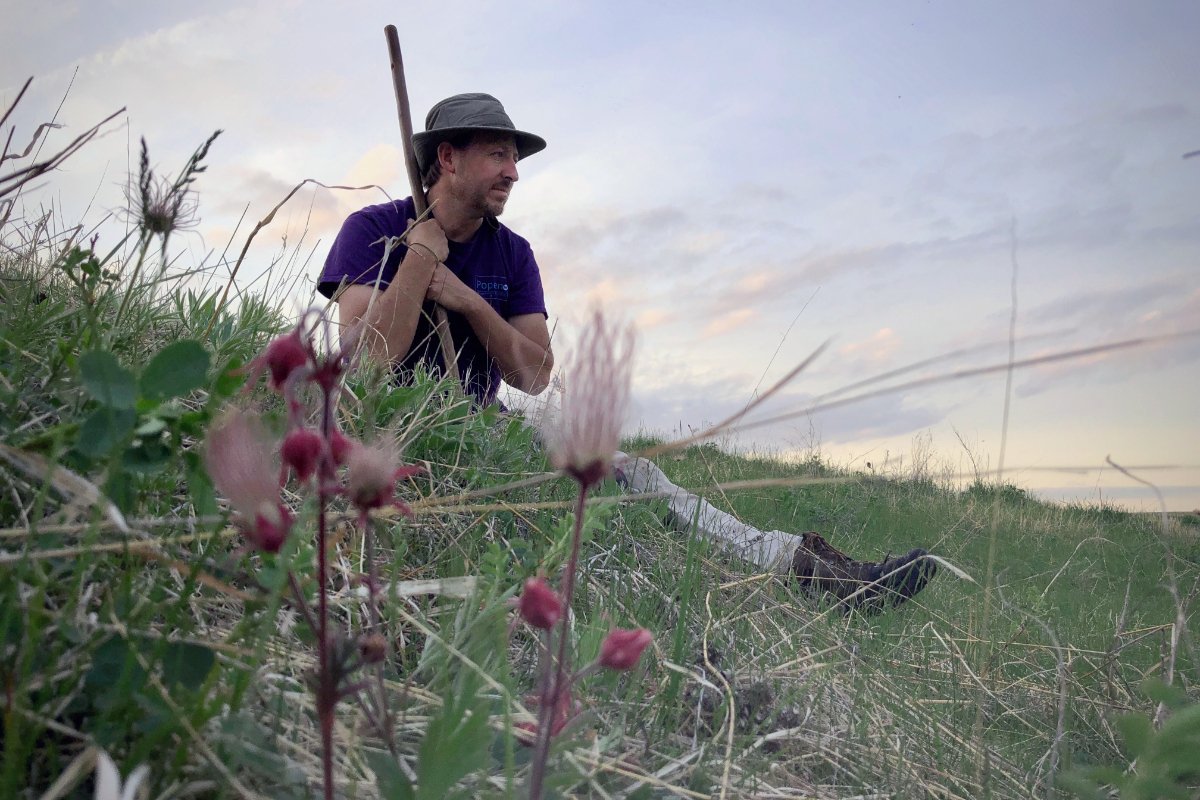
x: 824, y: 571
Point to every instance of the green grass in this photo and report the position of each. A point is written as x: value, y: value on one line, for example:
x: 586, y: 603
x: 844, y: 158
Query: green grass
x: 171, y: 645
x: 938, y: 661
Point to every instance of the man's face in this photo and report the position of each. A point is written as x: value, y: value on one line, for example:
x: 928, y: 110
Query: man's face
x: 486, y: 171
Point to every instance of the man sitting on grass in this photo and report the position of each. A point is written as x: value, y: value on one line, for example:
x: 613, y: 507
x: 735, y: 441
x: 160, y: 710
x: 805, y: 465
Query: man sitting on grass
x: 485, y: 276
x: 461, y: 258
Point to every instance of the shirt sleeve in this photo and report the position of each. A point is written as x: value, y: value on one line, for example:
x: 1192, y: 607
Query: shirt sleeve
x: 357, y: 255
x: 525, y: 290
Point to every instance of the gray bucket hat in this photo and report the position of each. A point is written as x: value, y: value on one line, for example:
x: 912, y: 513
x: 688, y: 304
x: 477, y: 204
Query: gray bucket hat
x: 468, y: 112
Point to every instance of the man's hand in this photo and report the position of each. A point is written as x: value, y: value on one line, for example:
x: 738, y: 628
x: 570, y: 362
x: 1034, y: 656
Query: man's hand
x: 390, y: 317
x: 429, y: 240
x: 448, y: 291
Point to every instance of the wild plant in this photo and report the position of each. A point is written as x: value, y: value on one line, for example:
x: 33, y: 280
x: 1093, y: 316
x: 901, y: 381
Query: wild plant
x: 241, y: 459
x: 581, y: 440
x: 251, y: 468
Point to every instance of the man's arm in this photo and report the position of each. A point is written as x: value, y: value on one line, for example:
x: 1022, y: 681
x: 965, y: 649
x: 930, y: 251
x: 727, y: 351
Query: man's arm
x: 391, y: 318
x: 520, y: 344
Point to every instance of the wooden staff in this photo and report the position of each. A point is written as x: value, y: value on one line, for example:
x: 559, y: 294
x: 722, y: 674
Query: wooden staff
x: 441, y: 322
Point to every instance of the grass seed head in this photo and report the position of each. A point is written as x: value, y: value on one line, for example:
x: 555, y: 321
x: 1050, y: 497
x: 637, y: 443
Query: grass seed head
x: 240, y: 458
x: 587, y: 430
x: 371, y: 475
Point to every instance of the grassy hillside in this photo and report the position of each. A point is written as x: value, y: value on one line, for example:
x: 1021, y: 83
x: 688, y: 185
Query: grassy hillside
x: 135, y: 619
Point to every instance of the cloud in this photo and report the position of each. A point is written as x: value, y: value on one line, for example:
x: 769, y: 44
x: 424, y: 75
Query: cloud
x: 605, y: 292
x: 653, y: 318
x: 1137, y: 364
x: 872, y: 353
x: 1108, y: 307
x: 729, y: 322
x: 312, y: 207
x: 382, y: 165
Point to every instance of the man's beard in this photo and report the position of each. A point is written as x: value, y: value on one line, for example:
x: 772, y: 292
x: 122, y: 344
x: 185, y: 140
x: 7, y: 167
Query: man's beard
x: 482, y: 203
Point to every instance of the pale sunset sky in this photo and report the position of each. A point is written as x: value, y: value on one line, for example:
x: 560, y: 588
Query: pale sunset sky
x: 741, y: 181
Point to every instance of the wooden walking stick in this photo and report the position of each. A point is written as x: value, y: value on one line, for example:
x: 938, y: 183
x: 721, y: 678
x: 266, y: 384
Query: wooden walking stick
x: 441, y: 322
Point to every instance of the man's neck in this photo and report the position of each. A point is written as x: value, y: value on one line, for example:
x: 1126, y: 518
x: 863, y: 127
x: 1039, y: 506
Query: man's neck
x: 459, y: 223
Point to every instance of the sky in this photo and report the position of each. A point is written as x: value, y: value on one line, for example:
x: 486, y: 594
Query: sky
x: 742, y: 184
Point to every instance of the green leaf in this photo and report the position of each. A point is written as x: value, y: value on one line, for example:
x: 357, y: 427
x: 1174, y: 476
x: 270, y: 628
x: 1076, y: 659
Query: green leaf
x: 187, y: 664
x: 273, y: 578
x: 106, y: 428
x: 1077, y: 783
x: 200, y: 486
x: 1161, y: 692
x: 106, y: 380
x: 392, y: 782
x: 456, y: 743
x: 1159, y: 787
x: 1184, y: 723
x: 147, y: 456
x: 1136, y: 730
x: 175, y: 370
x: 110, y: 662
x: 232, y: 377
x: 1107, y: 775
x: 193, y: 423
x: 122, y: 490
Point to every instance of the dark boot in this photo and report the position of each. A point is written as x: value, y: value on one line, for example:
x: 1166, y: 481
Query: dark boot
x: 824, y: 571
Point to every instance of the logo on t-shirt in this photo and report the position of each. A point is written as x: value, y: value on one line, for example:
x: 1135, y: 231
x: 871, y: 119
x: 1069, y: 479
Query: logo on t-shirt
x: 493, y: 288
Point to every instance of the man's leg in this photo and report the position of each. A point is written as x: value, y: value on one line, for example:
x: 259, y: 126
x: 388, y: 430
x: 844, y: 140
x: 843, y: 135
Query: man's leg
x: 819, y: 568
x: 768, y: 550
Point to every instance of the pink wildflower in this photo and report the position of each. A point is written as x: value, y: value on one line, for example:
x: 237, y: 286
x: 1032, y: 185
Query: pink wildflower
x: 301, y: 450
x: 272, y: 523
x: 340, y: 446
x: 539, y: 604
x: 587, y: 432
x: 623, y: 647
x: 371, y: 475
x: 239, y: 458
x: 283, y: 356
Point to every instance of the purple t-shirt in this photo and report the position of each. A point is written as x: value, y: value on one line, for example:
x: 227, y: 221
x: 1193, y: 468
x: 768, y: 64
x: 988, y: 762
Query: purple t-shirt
x: 495, y: 262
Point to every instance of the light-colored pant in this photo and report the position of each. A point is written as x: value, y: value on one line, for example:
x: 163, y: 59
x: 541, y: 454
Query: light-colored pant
x: 768, y: 550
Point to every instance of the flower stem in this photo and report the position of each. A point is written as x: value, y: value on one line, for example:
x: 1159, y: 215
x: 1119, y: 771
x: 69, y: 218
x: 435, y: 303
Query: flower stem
x: 146, y: 238
x: 552, y: 690
x: 375, y: 625
x: 326, y: 698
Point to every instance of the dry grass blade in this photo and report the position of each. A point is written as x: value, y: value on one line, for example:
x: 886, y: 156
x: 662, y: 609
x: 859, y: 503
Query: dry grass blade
x: 729, y: 422
x: 970, y: 372
x: 15, y: 180
x: 13, y: 105
x: 72, y: 487
x: 262, y: 223
x: 460, y: 588
x: 145, y: 547
x: 75, y: 772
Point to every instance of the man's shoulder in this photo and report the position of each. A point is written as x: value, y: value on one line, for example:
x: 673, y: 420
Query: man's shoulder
x: 510, y: 238
x: 384, y: 214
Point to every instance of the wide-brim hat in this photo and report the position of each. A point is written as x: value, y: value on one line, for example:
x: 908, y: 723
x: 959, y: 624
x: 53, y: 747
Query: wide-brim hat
x: 464, y: 113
